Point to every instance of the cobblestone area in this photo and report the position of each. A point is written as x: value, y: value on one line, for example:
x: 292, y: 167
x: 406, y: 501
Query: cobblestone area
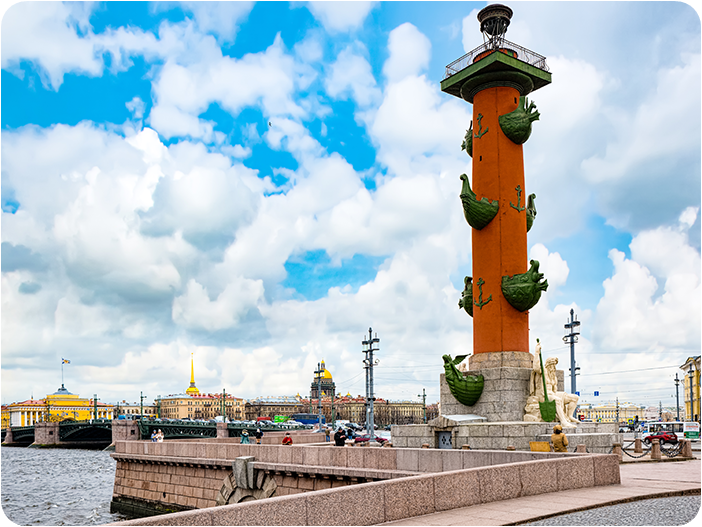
x: 659, y: 511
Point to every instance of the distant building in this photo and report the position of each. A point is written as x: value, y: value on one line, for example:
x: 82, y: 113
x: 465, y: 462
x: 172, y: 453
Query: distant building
x: 349, y: 408
x: 323, y: 379
x: 125, y: 408
x: 607, y: 412
x: 692, y: 407
x: 200, y: 406
x: 195, y: 405
x: 285, y: 405
x: 5, y: 417
x: 61, y: 405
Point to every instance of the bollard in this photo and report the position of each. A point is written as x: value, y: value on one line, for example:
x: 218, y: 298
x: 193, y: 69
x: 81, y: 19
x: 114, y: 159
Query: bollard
x: 617, y: 449
x: 465, y: 447
x: 425, y: 445
x: 687, y: 448
x: 581, y: 449
x: 656, y: 450
x: 637, y: 446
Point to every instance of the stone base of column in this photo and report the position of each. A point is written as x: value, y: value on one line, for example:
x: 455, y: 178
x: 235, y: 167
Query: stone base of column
x: 500, y: 359
x: 504, y: 393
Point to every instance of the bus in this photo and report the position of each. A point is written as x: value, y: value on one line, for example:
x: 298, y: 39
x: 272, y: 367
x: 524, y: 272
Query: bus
x: 308, y: 419
x: 682, y: 429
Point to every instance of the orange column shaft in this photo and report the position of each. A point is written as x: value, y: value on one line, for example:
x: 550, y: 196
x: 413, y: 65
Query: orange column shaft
x: 500, y: 248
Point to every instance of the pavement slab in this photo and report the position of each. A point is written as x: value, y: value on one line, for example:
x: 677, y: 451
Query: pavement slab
x: 638, y: 481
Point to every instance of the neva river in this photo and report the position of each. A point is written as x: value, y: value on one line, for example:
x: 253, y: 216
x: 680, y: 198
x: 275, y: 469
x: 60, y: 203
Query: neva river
x: 55, y: 486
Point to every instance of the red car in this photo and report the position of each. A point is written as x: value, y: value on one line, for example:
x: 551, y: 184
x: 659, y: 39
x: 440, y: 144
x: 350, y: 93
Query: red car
x: 663, y: 437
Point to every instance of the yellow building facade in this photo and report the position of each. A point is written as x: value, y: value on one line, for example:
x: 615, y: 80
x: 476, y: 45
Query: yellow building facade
x: 201, y: 406
x: 691, y: 368
x: 607, y: 413
x: 61, y: 405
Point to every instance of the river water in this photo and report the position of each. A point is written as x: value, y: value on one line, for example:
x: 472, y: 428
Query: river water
x: 55, y: 486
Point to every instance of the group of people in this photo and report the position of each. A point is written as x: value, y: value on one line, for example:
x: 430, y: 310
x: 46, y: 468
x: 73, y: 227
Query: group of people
x: 157, y: 436
x: 245, y: 440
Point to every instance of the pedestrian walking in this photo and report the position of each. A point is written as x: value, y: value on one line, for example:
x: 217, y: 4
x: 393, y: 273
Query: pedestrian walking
x: 258, y: 436
x: 245, y: 437
x: 287, y: 440
x: 327, y: 434
x: 340, y: 437
x: 559, y: 439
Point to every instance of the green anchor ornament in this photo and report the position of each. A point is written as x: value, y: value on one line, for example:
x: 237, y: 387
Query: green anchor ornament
x: 480, y: 302
x: 518, y: 206
x: 480, y: 127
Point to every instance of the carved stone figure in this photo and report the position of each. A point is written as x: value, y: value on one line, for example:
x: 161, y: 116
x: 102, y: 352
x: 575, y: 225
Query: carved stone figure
x: 478, y: 213
x: 523, y: 291
x: 466, y: 301
x: 566, y: 403
x: 466, y: 389
x: 531, y: 410
x: 516, y: 125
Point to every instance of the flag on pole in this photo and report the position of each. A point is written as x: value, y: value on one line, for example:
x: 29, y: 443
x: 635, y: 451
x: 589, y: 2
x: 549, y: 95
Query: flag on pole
x: 65, y: 361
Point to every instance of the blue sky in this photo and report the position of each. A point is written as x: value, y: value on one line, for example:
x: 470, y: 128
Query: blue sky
x: 258, y: 183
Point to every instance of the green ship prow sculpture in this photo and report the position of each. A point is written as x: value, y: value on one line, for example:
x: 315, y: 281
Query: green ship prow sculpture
x: 466, y: 390
x: 478, y: 213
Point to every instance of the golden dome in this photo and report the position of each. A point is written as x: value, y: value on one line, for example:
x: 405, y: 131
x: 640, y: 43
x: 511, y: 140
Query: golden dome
x: 326, y: 373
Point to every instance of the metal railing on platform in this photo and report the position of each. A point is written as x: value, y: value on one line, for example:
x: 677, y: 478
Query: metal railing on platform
x: 521, y: 53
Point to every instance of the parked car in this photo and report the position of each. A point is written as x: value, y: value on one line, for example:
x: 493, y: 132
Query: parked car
x: 662, y: 436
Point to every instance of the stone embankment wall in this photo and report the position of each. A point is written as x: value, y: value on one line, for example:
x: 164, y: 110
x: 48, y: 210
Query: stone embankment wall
x: 451, y: 479
x: 154, y: 478
x: 597, y: 437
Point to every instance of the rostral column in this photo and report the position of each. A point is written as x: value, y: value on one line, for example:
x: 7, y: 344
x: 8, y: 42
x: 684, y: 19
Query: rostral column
x: 496, y: 77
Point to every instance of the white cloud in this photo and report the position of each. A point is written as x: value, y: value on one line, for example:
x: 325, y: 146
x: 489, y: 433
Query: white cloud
x: 45, y: 33
x: 194, y: 309
x: 351, y: 75
x: 136, y: 106
x: 219, y: 18
x: 410, y: 52
x: 340, y: 17
x: 634, y: 314
x: 184, y: 91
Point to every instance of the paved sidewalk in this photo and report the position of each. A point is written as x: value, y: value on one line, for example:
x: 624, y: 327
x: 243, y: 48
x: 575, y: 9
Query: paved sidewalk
x: 638, y: 481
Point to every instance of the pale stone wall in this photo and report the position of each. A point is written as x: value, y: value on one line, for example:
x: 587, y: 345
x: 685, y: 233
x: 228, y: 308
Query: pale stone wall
x: 597, y: 437
x: 46, y: 433
x: 459, y: 479
x: 125, y: 430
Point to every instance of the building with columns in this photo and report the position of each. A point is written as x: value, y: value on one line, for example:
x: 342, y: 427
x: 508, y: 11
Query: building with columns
x: 61, y: 405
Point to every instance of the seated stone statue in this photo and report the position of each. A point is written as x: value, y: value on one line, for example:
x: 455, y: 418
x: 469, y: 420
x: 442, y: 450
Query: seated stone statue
x: 566, y: 403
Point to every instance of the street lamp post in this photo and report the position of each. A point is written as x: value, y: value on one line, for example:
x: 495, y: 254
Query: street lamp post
x: 424, y: 403
x: 677, y: 397
x: 369, y: 362
x: 571, y: 338
x: 319, y: 393
x: 141, y: 406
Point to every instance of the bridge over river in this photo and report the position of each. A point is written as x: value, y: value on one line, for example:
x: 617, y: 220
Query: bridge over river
x: 98, y: 432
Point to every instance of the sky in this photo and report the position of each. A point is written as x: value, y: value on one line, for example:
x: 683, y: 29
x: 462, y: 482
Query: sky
x: 255, y: 185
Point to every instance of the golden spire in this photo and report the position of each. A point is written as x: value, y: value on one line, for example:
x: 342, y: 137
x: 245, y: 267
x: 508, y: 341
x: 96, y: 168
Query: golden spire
x: 192, y: 390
